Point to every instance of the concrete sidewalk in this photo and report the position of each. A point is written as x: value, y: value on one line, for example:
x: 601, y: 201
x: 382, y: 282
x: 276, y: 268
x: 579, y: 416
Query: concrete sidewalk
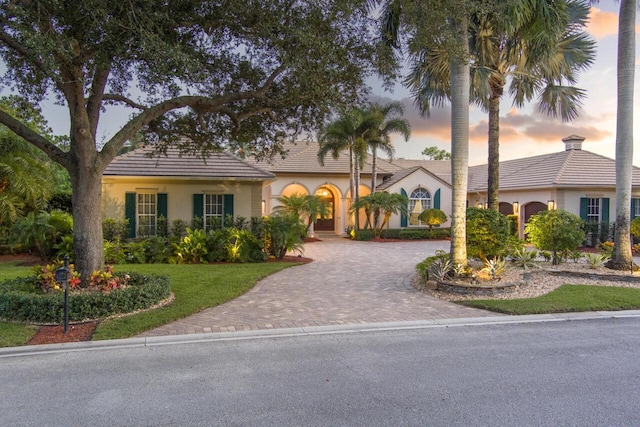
x: 349, y: 283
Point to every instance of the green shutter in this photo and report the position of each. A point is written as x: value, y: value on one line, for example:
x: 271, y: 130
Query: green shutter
x: 584, y: 208
x: 198, y: 205
x: 403, y: 217
x: 162, y: 205
x: 227, y: 206
x: 605, y: 209
x: 436, y: 200
x: 130, y: 212
x: 634, y: 203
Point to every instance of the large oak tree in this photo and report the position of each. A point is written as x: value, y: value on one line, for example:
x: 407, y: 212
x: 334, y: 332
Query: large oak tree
x: 220, y: 72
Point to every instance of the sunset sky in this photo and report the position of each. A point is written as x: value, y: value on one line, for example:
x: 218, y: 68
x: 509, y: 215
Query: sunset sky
x: 524, y: 132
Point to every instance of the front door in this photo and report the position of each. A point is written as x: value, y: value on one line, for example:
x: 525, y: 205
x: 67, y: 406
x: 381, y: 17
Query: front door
x: 326, y: 222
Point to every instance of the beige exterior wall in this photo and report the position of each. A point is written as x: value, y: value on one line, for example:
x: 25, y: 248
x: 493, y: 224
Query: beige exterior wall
x: 247, y: 198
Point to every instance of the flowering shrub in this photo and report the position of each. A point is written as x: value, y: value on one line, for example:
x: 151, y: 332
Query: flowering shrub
x: 101, y: 281
x: 46, y: 277
x: 106, y: 281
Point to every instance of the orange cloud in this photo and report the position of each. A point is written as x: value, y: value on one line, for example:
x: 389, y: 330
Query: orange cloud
x: 602, y: 24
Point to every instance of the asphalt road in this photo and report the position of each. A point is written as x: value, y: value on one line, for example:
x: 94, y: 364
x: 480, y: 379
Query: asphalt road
x: 580, y: 372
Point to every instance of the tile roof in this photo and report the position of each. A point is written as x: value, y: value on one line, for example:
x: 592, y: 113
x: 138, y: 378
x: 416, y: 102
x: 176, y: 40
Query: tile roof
x: 302, y: 158
x: 217, y: 165
x: 571, y: 168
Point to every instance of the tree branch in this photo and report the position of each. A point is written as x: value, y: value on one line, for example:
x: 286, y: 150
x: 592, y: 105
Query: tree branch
x: 100, y: 77
x: 35, y: 138
x: 120, y: 98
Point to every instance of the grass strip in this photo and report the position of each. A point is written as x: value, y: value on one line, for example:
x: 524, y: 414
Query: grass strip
x: 565, y: 299
x: 196, y: 287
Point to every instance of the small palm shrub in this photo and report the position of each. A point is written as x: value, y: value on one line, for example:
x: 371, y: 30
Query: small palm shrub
x: 596, y: 260
x: 524, y: 258
x: 283, y: 232
x: 495, y: 267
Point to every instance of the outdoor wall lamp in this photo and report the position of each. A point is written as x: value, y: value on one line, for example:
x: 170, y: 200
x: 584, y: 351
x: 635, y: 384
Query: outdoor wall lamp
x: 551, y: 205
x: 516, y: 208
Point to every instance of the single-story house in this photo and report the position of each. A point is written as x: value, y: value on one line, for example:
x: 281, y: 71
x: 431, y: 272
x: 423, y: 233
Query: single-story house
x: 142, y: 188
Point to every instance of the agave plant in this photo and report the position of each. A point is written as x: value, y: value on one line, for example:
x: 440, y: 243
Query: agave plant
x: 495, y: 267
x: 440, y: 268
x: 523, y: 258
x: 596, y: 260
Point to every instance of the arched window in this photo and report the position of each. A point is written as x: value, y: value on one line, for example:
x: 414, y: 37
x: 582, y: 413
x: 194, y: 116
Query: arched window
x: 419, y: 201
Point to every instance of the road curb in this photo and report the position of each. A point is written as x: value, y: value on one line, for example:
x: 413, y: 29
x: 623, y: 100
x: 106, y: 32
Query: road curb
x: 308, y: 331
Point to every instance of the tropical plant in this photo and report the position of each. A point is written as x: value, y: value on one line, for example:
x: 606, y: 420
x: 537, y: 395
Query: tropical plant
x: 440, y: 268
x: 206, y: 73
x: 303, y: 205
x: 192, y: 248
x: 635, y: 227
x: 524, y: 258
x: 555, y: 231
x: 41, y: 231
x: 495, y: 267
x: 381, y: 204
x: 596, y: 260
x: 433, y: 217
x: 283, y: 232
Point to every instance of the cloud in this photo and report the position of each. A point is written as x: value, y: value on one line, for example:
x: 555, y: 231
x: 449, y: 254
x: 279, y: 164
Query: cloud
x: 602, y: 24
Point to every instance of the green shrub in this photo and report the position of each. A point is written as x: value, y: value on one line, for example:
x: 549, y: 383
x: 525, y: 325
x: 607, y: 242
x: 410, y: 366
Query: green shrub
x: 162, y: 226
x: 156, y: 250
x: 391, y: 233
x: 40, y: 232
x: 134, y: 252
x: 115, y: 229
x: 243, y: 246
x: 635, y: 226
x: 114, y: 252
x: 364, y: 235
x: 555, y: 231
x: 178, y: 228
x: 487, y: 233
x: 513, y: 224
x: 423, y: 268
x: 22, y: 301
x: 256, y: 225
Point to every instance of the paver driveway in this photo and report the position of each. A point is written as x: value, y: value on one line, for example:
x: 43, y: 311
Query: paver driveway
x: 349, y: 282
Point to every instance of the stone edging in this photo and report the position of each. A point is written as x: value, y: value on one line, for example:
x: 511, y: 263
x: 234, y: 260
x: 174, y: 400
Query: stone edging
x: 589, y: 275
x: 456, y: 288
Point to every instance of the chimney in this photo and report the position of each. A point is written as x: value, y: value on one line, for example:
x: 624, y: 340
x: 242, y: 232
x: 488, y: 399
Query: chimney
x: 573, y: 142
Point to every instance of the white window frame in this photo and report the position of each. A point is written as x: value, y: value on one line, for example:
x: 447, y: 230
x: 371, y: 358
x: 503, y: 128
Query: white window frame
x: 146, y: 214
x: 418, y: 204
x: 637, y: 210
x: 213, y: 206
x: 594, y: 209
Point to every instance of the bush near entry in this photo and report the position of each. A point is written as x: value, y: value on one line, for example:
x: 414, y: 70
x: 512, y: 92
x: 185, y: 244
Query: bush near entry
x: 488, y: 233
x: 555, y: 231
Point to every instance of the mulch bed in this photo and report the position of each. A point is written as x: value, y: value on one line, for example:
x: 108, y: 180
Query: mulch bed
x: 55, y: 334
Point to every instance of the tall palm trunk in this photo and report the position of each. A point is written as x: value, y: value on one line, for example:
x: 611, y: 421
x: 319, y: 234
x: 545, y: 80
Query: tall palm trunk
x: 352, y: 190
x: 493, y: 181
x: 621, y: 257
x: 374, y: 172
x: 460, y: 82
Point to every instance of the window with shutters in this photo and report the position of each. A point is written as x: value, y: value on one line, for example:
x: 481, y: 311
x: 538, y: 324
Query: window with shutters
x: 147, y: 214
x: 636, y: 206
x: 213, y: 211
x: 419, y: 201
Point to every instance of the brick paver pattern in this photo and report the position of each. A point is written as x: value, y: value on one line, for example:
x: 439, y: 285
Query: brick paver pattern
x: 349, y: 282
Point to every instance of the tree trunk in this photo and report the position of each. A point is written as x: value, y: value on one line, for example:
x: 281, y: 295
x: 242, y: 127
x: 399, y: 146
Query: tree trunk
x: 352, y: 190
x: 357, y: 193
x: 621, y: 259
x: 374, y: 172
x: 86, y: 184
x: 493, y: 182
x: 459, y: 146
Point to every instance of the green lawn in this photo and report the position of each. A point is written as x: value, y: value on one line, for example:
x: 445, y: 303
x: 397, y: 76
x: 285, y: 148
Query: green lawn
x: 196, y: 287
x: 566, y: 298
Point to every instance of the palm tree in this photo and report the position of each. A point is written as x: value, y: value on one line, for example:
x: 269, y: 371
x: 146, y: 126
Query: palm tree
x: 386, y: 121
x: 303, y: 205
x: 621, y: 258
x: 538, y: 47
x: 427, y: 25
x: 382, y: 203
x: 347, y: 132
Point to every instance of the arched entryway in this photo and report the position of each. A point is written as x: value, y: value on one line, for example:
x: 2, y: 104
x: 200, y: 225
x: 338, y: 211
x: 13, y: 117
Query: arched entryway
x: 327, y: 222
x: 533, y: 208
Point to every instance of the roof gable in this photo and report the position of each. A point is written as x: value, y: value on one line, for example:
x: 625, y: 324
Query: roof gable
x: 404, y: 173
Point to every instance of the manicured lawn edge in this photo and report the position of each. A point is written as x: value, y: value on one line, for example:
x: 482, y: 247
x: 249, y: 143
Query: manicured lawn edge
x: 566, y: 299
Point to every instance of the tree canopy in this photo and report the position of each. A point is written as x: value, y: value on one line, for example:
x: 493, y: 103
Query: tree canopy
x: 214, y: 72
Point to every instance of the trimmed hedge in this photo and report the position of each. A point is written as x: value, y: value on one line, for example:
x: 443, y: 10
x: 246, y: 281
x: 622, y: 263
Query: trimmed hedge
x: 406, y: 234
x: 21, y: 301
